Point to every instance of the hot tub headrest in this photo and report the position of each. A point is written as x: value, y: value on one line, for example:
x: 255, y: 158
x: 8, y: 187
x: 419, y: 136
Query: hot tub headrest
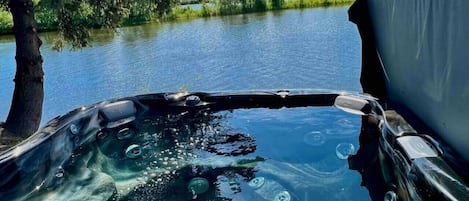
x: 118, y: 111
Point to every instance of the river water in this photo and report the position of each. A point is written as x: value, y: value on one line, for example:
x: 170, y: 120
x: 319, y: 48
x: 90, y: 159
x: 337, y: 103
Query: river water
x: 310, y: 48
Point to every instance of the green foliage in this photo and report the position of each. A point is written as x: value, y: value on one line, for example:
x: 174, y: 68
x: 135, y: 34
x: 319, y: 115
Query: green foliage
x: 314, y: 3
x: 163, y: 7
x: 207, y: 11
x: 259, y: 5
x: 184, y: 12
x: 46, y: 20
x: 4, y: 4
x: 73, y: 18
x: 230, y: 7
x: 139, y: 12
x: 148, y: 10
x: 77, y: 16
x: 6, y: 21
x: 277, y: 4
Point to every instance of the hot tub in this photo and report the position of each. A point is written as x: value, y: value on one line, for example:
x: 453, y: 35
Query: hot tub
x: 284, y: 145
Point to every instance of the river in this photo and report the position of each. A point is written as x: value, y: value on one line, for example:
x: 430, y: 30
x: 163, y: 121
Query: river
x: 310, y: 48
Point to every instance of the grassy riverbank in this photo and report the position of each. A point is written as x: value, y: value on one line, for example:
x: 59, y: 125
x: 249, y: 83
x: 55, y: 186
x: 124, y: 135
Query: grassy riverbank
x: 227, y: 7
x: 139, y: 14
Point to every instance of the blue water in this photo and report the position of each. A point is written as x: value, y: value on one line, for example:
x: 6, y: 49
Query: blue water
x: 310, y: 48
x: 242, y: 155
x: 307, y: 167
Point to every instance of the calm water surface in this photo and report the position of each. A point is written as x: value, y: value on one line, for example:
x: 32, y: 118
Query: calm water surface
x: 310, y: 48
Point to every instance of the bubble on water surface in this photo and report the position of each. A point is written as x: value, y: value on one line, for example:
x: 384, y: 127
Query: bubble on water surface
x: 344, y: 150
x: 314, y: 138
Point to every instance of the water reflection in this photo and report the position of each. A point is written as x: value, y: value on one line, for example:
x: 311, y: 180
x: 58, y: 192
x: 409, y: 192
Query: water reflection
x: 132, y: 34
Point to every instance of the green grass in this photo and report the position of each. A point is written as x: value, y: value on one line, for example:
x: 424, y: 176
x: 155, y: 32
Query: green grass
x: 185, y: 12
x: 314, y: 3
x: 225, y: 8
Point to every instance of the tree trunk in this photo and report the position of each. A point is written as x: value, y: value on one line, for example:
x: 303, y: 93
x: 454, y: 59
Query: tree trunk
x: 26, y: 108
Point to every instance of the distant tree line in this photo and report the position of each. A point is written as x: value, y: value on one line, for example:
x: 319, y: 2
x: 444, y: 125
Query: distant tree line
x: 229, y: 7
x: 79, y: 14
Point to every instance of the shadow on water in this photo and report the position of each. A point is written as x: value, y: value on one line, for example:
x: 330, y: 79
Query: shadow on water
x: 132, y: 34
x: 104, y: 36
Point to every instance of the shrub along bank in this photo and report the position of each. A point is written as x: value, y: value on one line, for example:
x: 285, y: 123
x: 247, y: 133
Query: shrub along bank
x: 141, y: 12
